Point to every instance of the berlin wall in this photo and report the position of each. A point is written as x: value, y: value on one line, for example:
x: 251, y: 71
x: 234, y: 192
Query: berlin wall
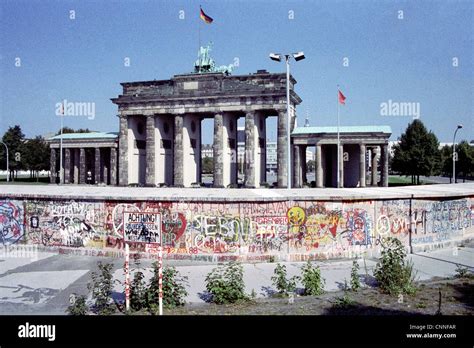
x: 246, y: 231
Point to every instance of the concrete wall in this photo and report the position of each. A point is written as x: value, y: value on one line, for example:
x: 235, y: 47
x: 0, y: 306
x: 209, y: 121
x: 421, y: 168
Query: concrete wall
x: 291, y: 230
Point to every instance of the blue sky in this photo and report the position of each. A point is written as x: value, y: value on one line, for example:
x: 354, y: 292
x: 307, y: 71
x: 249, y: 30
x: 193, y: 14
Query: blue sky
x: 403, y: 60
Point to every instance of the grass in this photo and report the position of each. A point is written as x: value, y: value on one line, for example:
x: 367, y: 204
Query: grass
x: 25, y: 180
x: 397, y: 180
x: 400, y: 180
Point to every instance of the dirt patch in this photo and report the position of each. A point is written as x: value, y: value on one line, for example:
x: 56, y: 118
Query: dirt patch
x: 457, y: 298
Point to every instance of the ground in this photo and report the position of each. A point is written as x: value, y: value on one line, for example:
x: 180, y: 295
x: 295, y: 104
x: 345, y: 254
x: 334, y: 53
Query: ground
x: 42, y: 282
x: 457, y: 298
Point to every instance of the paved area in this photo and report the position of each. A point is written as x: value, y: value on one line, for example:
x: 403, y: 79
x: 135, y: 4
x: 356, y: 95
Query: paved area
x: 42, y: 282
x: 211, y: 194
x: 441, y: 179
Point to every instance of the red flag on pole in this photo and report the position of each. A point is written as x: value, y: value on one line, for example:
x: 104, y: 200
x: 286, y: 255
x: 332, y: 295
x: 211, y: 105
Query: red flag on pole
x: 342, y: 98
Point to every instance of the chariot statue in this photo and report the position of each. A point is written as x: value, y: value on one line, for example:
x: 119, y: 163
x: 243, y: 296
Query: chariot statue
x: 205, y: 63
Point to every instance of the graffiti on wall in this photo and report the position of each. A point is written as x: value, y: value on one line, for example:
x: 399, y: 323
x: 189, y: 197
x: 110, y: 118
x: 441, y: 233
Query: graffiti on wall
x: 202, y: 228
x: 11, y: 222
x: 440, y: 221
x: 69, y: 223
x: 320, y: 226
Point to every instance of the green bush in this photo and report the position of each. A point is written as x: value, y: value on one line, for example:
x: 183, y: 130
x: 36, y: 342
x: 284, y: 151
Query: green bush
x: 283, y: 285
x: 138, y: 292
x: 174, y: 291
x: 343, y: 302
x: 101, y: 287
x: 461, y: 272
x: 393, y: 272
x: 355, y: 282
x: 78, y: 306
x: 226, y: 284
x: 312, y: 281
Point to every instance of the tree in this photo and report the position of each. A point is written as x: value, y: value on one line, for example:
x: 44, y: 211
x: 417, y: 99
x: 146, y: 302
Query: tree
x: 207, y: 165
x: 447, y: 161
x: 464, y: 164
x: 14, y: 139
x: 36, y: 155
x: 71, y: 130
x: 417, y: 153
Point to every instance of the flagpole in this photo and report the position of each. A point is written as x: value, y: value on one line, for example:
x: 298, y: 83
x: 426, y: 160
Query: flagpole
x: 338, y: 154
x: 61, y: 149
x: 199, y: 38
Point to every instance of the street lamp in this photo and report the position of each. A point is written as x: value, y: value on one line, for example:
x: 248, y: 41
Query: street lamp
x: 297, y: 57
x: 6, y: 148
x: 454, y: 153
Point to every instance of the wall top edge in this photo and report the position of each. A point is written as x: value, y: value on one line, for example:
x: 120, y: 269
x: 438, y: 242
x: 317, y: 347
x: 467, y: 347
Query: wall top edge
x: 76, y: 192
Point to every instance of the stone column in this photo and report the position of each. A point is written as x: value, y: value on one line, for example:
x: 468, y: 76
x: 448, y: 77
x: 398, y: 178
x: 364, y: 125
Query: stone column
x: 150, y: 152
x: 296, y: 167
x: 232, y: 150
x: 123, y: 151
x: 105, y: 166
x: 67, y: 165
x: 97, y: 165
x: 384, y: 159
x: 218, y: 151
x: 362, y: 166
x: 341, y: 165
x: 303, y: 165
x: 76, y: 166
x: 282, y: 150
x: 113, y: 166
x: 52, y: 166
x: 319, y: 166
x: 374, y: 166
x: 82, y: 166
x: 249, y: 149
x: 178, y: 151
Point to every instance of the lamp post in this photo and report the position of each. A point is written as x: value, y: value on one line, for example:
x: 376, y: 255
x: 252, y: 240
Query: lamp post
x: 6, y: 148
x: 277, y: 57
x: 454, y: 153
